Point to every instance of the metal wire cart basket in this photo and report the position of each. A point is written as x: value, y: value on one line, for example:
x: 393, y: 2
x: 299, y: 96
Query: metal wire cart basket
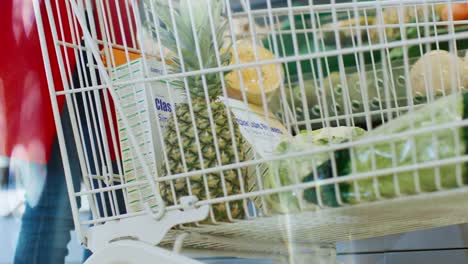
x: 275, y: 131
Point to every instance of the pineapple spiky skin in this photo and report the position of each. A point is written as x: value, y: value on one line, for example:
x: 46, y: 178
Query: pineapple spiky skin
x: 192, y: 50
x: 227, y: 151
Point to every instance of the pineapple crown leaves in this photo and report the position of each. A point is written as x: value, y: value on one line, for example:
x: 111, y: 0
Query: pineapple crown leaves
x: 187, y: 41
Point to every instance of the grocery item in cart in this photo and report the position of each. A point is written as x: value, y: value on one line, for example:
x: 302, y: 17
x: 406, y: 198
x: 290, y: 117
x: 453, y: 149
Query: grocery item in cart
x: 432, y: 145
x: 137, y: 101
x: 291, y: 171
x: 459, y: 12
x: 374, y: 87
x: 422, y: 148
x: 390, y: 20
x: 207, y: 131
x: 192, y: 146
x: 438, y: 71
x: 316, y: 33
x: 377, y: 87
x: 307, y: 43
x: 149, y: 110
x: 258, y: 81
x: 409, y: 14
x: 347, y: 33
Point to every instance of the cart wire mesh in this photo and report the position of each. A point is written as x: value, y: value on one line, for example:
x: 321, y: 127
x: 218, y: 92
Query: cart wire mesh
x: 268, y: 113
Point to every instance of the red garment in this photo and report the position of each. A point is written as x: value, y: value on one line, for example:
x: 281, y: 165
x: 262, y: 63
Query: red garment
x: 27, y: 128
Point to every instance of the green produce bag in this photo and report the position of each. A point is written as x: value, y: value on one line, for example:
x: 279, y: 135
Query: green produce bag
x: 445, y: 110
x: 427, y: 147
x: 442, y: 111
x: 292, y: 171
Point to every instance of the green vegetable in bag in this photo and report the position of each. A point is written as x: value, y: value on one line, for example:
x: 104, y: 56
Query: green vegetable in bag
x: 426, y: 147
x: 292, y: 170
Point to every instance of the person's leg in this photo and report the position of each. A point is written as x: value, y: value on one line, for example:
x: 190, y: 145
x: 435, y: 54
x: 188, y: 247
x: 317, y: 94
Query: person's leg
x: 90, y: 99
x: 120, y: 203
x: 46, y: 224
x: 105, y: 201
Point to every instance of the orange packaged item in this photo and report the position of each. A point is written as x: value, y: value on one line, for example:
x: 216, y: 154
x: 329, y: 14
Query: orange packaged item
x: 120, y: 57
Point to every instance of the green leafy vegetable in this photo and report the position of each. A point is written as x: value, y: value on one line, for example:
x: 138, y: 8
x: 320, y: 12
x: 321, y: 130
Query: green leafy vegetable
x: 425, y: 147
x: 429, y: 145
x: 294, y: 170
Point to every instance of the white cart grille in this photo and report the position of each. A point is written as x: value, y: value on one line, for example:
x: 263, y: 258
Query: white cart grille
x: 309, y: 66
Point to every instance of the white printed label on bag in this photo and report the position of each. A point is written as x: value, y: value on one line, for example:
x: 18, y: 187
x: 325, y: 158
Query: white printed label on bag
x: 263, y: 134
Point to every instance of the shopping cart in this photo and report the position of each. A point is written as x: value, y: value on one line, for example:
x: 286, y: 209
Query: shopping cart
x: 188, y: 118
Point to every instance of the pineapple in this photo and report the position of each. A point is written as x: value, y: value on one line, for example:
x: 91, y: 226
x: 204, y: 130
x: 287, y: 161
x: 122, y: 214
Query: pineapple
x: 186, y: 147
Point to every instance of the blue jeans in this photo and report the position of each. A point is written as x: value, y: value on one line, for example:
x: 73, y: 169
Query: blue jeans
x: 46, y: 225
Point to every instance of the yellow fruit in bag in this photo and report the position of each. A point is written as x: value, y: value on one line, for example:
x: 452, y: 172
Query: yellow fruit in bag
x: 268, y: 81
